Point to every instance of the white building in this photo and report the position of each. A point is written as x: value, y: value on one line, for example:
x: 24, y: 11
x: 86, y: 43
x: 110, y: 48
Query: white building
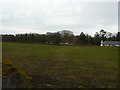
x: 110, y: 43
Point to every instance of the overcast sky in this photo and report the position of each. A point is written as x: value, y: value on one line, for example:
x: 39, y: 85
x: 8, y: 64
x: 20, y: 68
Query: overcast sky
x: 41, y: 16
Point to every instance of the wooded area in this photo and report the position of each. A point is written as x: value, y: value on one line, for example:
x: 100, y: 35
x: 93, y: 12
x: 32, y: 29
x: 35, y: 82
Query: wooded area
x: 65, y: 37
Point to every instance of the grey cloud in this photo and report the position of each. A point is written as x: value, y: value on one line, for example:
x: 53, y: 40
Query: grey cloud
x: 88, y: 17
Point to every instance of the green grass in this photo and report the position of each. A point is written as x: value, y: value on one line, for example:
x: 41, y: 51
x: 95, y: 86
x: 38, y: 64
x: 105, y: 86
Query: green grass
x: 65, y: 66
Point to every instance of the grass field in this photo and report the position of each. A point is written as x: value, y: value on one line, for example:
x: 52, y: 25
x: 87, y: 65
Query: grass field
x: 65, y: 66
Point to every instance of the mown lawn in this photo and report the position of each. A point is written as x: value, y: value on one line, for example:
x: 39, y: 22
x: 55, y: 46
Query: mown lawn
x: 65, y: 66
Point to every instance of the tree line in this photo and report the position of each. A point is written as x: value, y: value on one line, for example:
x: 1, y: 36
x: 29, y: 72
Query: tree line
x: 64, y: 37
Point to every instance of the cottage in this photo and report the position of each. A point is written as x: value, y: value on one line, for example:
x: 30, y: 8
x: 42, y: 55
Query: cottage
x: 65, y: 43
x: 110, y: 43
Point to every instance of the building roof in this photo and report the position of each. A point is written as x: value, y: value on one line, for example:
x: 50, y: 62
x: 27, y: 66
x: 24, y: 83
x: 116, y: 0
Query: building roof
x: 112, y: 42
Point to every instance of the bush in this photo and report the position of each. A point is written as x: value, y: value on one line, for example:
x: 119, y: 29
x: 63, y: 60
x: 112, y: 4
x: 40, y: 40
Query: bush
x: 14, y: 77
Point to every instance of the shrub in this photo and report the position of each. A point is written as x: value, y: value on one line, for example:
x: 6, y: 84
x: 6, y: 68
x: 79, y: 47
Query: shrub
x: 13, y: 77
